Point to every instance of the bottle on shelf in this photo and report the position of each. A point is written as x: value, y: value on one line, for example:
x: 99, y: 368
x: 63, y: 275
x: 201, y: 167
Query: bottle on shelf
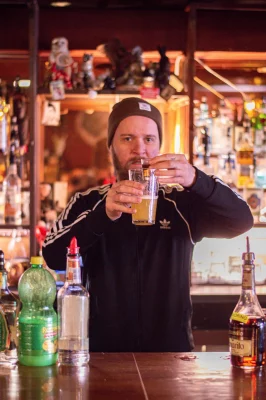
x: 228, y: 171
x: 14, y: 148
x: 245, y: 161
x: 10, y: 306
x: 238, y: 130
x: 246, y: 327
x: 37, y: 321
x: 222, y: 125
x: 73, y: 314
x: 4, y: 109
x: 19, y: 110
x: 12, y: 196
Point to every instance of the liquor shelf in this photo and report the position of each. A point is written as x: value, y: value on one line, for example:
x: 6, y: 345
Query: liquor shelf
x: 129, y: 376
x: 13, y: 226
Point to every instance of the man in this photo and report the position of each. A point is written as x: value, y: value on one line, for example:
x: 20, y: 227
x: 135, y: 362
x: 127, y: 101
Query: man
x: 139, y: 277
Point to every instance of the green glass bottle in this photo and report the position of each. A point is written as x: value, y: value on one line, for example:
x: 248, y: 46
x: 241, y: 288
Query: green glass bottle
x: 37, y: 344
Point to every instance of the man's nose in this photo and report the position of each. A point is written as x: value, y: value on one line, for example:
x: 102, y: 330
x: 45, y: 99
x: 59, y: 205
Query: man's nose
x: 139, y: 147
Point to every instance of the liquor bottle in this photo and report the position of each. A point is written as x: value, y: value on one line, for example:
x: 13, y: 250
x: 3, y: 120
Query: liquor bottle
x: 3, y: 333
x: 37, y: 321
x: 14, y: 150
x: 12, y: 195
x: 4, y: 108
x: 228, y: 173
x: 246, y: 327
x: 73, y: 314
x: 10, y: 305
x: 20, y: 111
x: 204, y: 108
x: 245, y: 160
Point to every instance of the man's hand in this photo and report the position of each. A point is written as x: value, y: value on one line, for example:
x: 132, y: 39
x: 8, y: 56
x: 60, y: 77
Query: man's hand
x: 173, y: 168
x: 121, y: 196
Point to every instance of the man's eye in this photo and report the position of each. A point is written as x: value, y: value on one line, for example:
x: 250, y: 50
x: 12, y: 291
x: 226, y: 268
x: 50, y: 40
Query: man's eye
x: 127, y: 138
x: 149, y: 139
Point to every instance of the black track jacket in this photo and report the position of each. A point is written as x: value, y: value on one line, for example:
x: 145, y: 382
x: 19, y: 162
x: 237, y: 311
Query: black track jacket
x: 139, y: 277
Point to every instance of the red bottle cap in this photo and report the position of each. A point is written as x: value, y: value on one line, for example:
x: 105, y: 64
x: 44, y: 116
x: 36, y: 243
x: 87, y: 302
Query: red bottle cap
x: 73, y: 248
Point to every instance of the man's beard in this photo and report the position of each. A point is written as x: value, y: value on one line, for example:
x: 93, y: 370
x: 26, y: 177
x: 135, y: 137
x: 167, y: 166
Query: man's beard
x: 121, y: 171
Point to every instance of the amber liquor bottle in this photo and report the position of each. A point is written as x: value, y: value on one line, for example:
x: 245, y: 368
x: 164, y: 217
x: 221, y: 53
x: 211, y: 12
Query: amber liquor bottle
x: 246, y: 327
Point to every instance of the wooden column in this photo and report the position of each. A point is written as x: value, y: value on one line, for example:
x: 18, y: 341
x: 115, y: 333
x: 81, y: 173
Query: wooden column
x: 191, y: 48
x: 34, y: 140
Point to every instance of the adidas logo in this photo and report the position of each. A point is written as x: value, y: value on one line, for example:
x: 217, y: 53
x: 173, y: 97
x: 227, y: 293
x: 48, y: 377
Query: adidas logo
x: 165, y: 224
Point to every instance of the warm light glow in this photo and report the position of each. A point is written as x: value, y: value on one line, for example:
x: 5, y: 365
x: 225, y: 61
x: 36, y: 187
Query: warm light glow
x: 177, y: 138
x: 89, y: 111
x: 22, y: 83
x: 60, y: 3
x: 249, y: 105
x: 261, y: 70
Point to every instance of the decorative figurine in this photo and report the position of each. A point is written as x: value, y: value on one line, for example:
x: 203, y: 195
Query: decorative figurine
x: 163, y: 73
x: 87, y: 73
x: 61, y: 61
x: 127, y: 66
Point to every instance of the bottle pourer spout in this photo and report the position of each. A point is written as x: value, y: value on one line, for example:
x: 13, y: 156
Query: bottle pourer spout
x: 248, y: 257
x: 73, y: 248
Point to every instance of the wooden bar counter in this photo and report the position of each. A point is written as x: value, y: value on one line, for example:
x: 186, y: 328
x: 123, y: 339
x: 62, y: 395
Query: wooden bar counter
x: 141, y: 376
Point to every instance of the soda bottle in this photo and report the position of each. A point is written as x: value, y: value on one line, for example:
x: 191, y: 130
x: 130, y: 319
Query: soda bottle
x: 246, y: 327
x: 73, y: 314
x: 37, y: 344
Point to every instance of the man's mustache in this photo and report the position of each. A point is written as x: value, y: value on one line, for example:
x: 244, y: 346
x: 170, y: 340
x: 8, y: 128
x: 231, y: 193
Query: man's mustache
x: 136, y: 160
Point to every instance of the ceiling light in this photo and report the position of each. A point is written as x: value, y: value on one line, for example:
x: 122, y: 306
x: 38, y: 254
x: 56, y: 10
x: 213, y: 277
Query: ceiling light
x: 22, y: 83
x: 60, y: 3
x: 261, y: 70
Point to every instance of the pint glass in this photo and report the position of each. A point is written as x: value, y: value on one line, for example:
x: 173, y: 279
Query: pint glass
x: 146, y: 210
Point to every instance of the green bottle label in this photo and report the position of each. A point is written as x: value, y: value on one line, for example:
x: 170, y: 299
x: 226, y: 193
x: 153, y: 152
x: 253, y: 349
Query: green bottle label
x: 4, y: 334
x: 40, y: 339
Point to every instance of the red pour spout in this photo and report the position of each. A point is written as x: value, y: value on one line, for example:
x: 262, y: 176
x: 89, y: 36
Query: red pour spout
x: 73, y: 248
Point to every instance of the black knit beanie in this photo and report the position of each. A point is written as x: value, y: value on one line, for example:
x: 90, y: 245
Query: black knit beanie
x: 132, y: 106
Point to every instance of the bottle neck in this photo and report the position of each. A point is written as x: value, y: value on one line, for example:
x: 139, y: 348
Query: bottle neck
x: 248, y: 292
x: 73, y: 273
x: 248, y: 277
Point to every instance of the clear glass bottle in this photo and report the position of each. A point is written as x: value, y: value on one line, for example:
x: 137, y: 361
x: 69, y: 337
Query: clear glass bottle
x: 37, y: 344
x: 73, y: 314
x: 246, y: 327
x: 12, y: 194
x: 10, y: 305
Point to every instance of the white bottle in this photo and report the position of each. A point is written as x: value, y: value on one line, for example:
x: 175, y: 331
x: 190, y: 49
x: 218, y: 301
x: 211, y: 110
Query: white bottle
x: 12, y: 196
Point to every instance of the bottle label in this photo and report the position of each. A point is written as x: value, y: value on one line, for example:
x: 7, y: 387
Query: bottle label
x: 247, y: 280
x: 240, y: 348
x: 37, y: 338
x: 244, y: 170
x: 73, y: 270
x: 4, y: 337
x: 239, y: 317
